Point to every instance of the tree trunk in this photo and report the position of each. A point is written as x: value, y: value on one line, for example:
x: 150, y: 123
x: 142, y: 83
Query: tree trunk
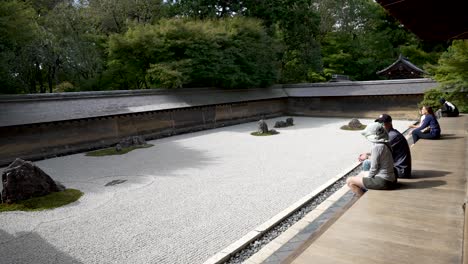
x: 50, y: 75
x: 39, y: 78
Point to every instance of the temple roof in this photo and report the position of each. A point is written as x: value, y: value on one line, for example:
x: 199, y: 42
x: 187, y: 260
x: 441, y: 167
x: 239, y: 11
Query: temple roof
x: 402, y: 66
x: 431, y: 20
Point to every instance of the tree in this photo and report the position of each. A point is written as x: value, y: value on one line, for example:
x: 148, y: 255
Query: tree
x: 71, y: 47
x: 18, y: 31
x: 227, y: 53
x: 452, y: 73
x: 364, y: 39
x: 115, y: 16
x: 206, y: 9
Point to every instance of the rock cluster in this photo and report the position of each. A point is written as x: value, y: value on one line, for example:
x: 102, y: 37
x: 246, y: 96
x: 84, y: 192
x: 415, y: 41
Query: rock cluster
x: 289, y: 122
x: 130, y: 141
x: 23, y: 180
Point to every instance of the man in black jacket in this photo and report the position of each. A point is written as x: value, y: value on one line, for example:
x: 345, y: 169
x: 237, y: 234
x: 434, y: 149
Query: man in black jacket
x: 448, y: 109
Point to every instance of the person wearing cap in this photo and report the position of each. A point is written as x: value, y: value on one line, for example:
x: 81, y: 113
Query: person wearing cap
x: 381, y: 175
x: 429, y: 121
x: 448, y: 109
x: 400, y: 149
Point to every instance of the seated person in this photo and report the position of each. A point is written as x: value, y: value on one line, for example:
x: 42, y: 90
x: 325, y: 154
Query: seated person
x: 448, y: 109
x: 427, y: 129
x: 400, y: 149
x: 420, y: 121
x: 429, y: 121
x: 381, y: 175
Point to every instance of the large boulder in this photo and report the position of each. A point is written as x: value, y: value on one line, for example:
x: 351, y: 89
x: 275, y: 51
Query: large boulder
x: 262, y: 127
x: 23, y: 180
x: 355, y: 123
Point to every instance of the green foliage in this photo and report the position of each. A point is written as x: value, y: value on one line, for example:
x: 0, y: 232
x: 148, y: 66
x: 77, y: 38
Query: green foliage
x: 269, y: 133
x: 431, y: 98
x: 50, y: 201
x: 207, y: 9
x: 452, y: 74
x: 346, y: 127
x: 296, y: 25
x: 364, y: 39
x: 116, y: 16
x: 81, y: 45
x: 228, y: 53
x: 64, y: 87
x: 18, y: 31
x: 112, y: 151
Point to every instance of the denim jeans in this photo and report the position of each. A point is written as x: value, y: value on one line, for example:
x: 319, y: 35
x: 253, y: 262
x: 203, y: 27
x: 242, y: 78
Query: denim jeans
x: 418, y: 134
x: 366, y: 165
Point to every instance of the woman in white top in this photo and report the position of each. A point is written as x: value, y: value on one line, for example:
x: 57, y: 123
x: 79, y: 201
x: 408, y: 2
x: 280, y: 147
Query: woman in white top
x: 420, y: 121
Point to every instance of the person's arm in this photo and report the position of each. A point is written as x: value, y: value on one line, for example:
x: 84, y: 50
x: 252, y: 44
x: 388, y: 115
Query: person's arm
x: 424, y: 124
x: 374, y: 158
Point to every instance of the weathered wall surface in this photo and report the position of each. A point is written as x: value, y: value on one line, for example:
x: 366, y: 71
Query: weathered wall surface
x: 42, y: 140
x: 398, y: 106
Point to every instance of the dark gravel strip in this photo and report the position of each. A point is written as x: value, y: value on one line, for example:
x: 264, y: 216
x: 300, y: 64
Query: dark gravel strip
x: 277, y: 230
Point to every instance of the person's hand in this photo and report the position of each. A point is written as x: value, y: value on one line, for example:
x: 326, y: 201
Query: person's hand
x: 362, y: 157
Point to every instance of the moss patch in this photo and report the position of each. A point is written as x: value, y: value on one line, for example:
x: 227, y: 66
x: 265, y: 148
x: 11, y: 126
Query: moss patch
x: 50, y: 201
x: 112, y: 151
x: 269, y: 133
x: 346, y: 127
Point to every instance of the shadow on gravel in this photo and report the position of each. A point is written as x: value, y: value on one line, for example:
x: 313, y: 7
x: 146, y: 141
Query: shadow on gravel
x: 30, y: 248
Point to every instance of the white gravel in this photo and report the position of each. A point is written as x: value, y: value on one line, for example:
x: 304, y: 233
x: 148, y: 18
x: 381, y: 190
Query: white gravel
x: 185, y: 199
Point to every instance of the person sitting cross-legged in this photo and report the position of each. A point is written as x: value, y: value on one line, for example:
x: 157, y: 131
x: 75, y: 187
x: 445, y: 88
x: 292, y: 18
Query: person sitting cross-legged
x: 381, y: 175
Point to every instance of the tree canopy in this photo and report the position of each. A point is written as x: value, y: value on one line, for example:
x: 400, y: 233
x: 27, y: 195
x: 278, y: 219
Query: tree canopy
x: 65, y: 45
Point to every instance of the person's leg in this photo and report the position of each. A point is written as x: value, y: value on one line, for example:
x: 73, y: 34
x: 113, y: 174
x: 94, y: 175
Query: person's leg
x: 356, y: 185
x: 416, y: 135
x: 366, y: 164
x: 427, y: 136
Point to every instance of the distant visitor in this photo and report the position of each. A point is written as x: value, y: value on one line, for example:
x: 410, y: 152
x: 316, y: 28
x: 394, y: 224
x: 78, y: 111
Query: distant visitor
x: 447, y: 109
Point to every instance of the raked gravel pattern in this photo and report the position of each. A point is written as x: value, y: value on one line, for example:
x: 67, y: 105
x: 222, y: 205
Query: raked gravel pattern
x: 184, y: 199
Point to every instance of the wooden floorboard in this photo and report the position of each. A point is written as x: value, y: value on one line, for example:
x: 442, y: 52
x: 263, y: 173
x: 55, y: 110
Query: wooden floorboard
x: 420, y: 222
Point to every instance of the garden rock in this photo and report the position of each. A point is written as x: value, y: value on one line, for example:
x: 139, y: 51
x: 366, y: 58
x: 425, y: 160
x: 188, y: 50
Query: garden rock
x: 262, y: 127
x: 280, y: 124
x: 23, y: 180
x: 131, y: 141
x: 355, y: 123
